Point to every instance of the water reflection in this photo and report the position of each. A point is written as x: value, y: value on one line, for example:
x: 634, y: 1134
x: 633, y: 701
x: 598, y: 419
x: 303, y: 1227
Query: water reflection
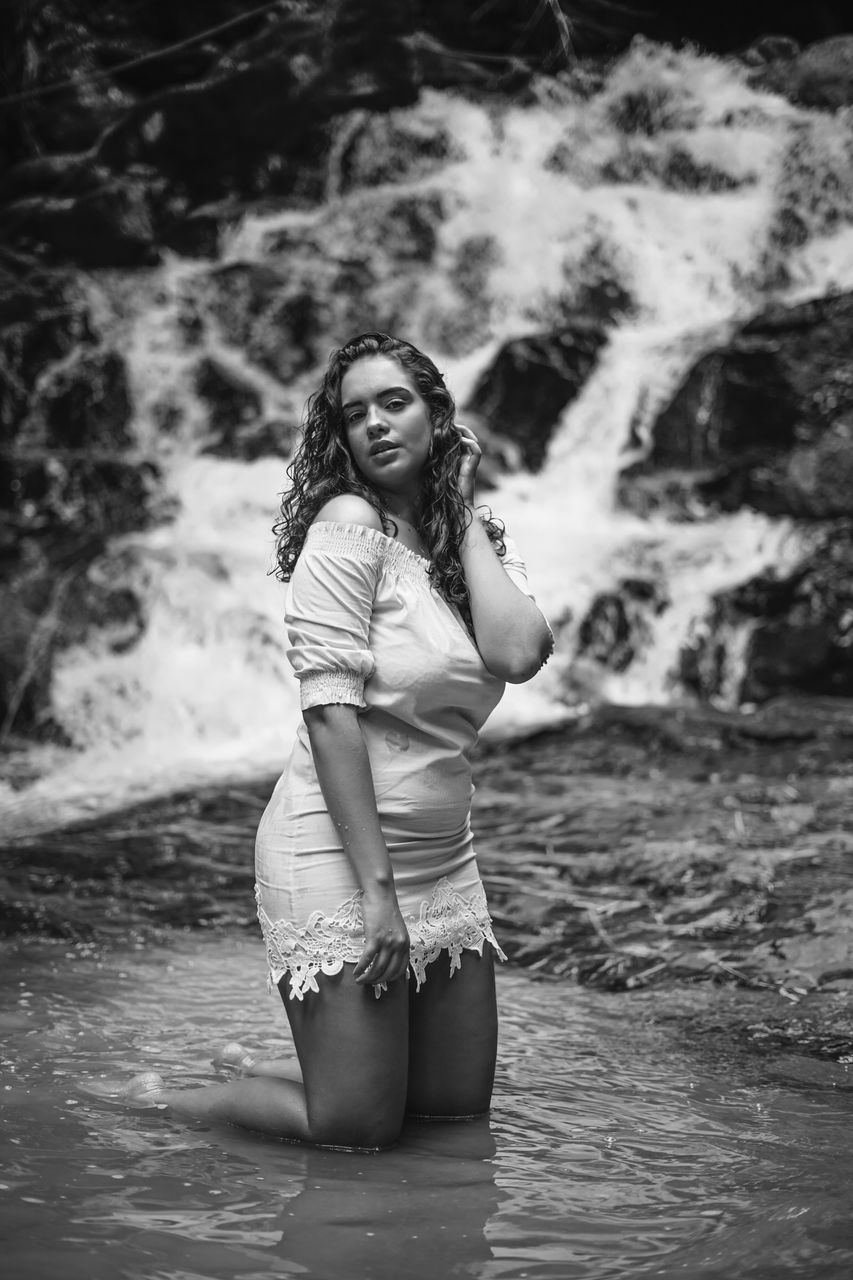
x: 423, y: 1208
x: 614, y: 1149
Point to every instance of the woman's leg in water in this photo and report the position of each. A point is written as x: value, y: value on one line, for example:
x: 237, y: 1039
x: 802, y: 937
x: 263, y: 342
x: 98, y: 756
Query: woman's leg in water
x: 453, y: 1033
x: 353, y: 1052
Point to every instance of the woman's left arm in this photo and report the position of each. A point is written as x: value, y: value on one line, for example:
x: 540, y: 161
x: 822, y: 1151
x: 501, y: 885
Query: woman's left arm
x: 512, y: 635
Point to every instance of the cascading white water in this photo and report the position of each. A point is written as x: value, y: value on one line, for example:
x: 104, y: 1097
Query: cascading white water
x: 550, y: 198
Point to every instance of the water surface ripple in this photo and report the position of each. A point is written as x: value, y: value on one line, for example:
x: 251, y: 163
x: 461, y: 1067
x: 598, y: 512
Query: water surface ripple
x: 613, y: 1150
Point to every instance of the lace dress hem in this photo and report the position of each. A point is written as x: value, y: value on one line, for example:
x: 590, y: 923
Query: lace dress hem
x: 447, y: 922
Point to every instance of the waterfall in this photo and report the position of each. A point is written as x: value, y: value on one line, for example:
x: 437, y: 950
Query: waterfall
x: 659, y: 182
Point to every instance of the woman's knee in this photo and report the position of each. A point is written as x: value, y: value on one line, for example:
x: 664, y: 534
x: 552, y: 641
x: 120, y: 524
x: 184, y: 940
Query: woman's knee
x: 364, y: 1126
x: 353, y: 1050
x: 433, y: 1099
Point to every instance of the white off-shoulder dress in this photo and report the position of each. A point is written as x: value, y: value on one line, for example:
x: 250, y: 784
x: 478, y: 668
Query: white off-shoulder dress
x: 366, y: 627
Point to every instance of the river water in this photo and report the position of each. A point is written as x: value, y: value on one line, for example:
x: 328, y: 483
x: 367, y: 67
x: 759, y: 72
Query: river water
x: 616, y: 1147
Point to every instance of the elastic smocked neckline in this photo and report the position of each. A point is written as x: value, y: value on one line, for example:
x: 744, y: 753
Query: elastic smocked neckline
x: 350, y: 528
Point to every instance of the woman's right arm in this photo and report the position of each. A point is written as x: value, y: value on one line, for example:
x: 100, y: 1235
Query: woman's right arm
x: 331, y: 605
x: 343, y: 770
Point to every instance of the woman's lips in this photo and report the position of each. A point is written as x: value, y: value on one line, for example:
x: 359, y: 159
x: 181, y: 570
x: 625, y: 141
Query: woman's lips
x: 382, y: 450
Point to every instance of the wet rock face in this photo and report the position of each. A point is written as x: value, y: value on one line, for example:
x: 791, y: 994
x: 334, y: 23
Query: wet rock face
x: 266, y: 314
x: 800, y: 628
x: 530, y: 383
x: 245, y: 111
x: 245, y: 115
x: 67, y: 465
x: 70, y: 477
x: 88, y: 404
x: 42, y: 319
x: 51, y: 602
x: 237, y: 427
x: 65, y: 409
x: 391, y: 149
x: 113, y: 225
x: 616, y: 626
x: 820, y: 76
x: 767, y: 421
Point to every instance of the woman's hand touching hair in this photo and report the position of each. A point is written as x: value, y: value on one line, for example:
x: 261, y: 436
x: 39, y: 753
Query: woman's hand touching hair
x: 470, y: 461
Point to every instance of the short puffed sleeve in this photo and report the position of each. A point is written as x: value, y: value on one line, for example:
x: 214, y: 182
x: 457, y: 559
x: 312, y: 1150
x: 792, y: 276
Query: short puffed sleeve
x: 328, y: 610
x: 515, y: 566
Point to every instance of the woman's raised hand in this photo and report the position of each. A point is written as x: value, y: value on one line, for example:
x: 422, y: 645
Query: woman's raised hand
x: 386, y: 939
x: 471, y: 455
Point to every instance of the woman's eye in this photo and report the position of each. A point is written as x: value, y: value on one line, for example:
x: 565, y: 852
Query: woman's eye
x: 395, y: 404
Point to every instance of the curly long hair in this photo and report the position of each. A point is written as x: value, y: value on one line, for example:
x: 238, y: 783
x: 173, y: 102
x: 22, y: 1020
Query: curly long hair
x: 322, y: 468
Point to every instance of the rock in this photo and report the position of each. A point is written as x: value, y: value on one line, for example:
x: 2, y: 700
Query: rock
x: 51, y: 602
x: 767, y: 420
x: 260, y: 125
x: 147, y: 75
x: 675, y: 167
x: 812, y: 482
x: 791, y: 655
x: 367, y: 46
x: 672, y: 492
x: 352, y: 272
x: 461, y: 323
x: 110, y: 226
x: 77, y: 493
x: 46, y: 176
x: 45, y: 46
x: 100, y: 605
x: 819, y: 76
x: 616, y: 624
x: 42, y: 319
x: 276, y: 323
x: 212, y: 140
x: 800, y: 629
x: 87, y: 404
x: 230, y: 399
x: 235, y: 408
x: 66, y: 468
x: 408, y: 227
x: 390, y: 148
x: 813, y: 194
x: 770, y: 48
x: 531, y: 381
x: 25, y: 665
x: 197, y: 234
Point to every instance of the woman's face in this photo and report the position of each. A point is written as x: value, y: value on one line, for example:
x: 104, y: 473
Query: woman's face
x: 387, y: 425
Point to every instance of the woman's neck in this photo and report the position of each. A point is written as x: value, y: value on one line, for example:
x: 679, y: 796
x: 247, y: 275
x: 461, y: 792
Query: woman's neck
x: 400, y: 507
x: 404, y: 514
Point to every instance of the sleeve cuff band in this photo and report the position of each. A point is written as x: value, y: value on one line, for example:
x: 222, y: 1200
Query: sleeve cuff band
x: 317, y: 688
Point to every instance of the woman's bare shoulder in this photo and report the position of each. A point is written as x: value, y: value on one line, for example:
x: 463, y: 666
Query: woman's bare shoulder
x: 349, y: 508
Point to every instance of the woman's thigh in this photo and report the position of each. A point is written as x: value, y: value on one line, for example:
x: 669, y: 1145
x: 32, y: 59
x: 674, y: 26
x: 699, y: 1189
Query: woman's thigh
x: 353, y: 1052
x: 453, y: 1032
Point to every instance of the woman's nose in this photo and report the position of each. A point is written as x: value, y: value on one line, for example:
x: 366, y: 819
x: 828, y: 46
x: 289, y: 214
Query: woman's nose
x: 375, y: 419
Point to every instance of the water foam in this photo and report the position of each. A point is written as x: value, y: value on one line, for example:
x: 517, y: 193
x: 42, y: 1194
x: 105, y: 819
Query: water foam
x: 539, y: 205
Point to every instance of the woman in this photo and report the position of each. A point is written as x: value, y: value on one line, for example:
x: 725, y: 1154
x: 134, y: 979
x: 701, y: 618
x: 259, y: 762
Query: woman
x: 406, y: 615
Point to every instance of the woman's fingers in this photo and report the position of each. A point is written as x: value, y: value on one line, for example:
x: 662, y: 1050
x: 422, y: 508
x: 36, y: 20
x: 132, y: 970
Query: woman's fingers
x: 386, y: 940
x: 468, y: 438
x: 470, y: 461
x: 382, y: 963
x: 366, y: 961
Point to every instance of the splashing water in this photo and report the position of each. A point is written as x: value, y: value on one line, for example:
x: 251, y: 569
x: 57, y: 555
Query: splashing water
x: 667, y: 179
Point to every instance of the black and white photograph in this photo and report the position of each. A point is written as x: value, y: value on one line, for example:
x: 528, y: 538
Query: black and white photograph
x: 426, y: 640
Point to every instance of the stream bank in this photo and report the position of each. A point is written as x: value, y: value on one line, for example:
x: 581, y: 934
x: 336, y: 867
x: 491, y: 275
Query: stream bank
x: 699, y: 858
